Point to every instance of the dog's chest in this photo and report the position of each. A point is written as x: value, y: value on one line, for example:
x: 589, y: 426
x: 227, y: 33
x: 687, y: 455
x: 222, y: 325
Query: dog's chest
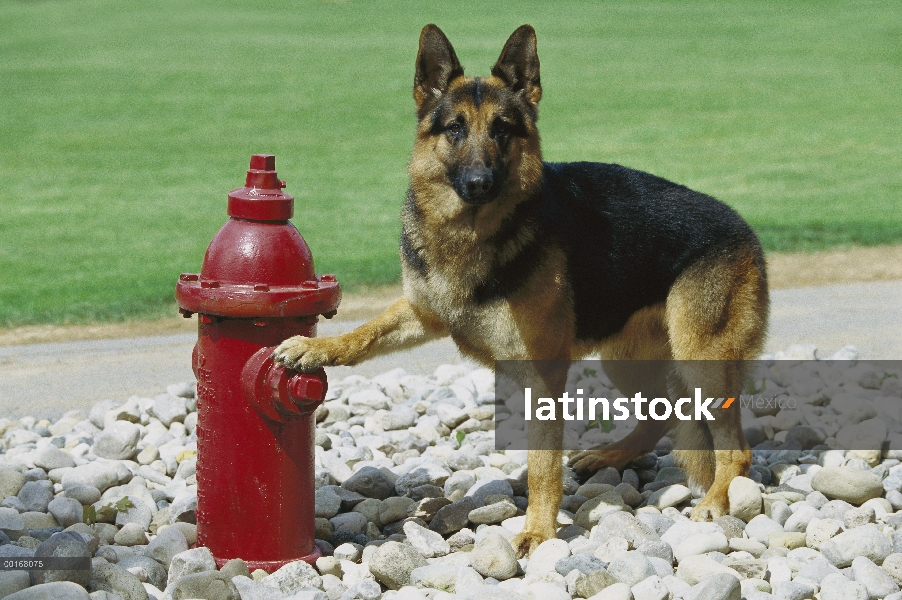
x: 486, y: 332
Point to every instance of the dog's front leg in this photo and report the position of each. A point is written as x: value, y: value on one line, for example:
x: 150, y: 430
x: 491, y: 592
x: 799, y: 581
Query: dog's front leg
x: 544, y: 482
x: 399, y: 326
x: 545, y: 464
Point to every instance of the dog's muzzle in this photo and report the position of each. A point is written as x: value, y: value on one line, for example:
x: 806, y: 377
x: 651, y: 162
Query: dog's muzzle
x: 477, y: 184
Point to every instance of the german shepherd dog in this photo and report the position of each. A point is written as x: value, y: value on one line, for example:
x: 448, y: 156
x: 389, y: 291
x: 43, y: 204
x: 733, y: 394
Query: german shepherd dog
x: 519, y: 259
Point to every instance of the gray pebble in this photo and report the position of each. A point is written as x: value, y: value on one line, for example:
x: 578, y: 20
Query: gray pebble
x: 207, y: 585
x: 156, y: 574
x: 85, y: 494
x: 52, y: 457
x: 166, y: 545
x: 875, y: 579
x: 67, y: 544
x: 845, y: 483
x: 452, y: 517
x: 195, y: 560
x: 67, y: 511
x: 493, y: 556
x: 585, y: 563
x: 326, y: 503
x: 838, y: 587
x: 393, y: 562
x: 720, y: 586
x: 117, y: 441
x: 36, y: 495
x: 487, y: 487
x: 60, y: 590
x: 370, y: 482
x: 115, y: 579
x: 631, y: 568
x: 865, y: 541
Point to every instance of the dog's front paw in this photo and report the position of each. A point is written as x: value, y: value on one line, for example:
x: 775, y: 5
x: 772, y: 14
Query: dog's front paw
x: 527, y: 541
x: 305, y: 354
x: 710, y: 509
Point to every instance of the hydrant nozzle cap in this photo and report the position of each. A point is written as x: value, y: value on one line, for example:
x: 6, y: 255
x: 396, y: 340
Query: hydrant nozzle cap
x: 261, y: 198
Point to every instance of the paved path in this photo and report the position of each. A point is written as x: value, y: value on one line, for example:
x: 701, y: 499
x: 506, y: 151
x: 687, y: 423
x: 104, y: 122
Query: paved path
x: 45, y: 380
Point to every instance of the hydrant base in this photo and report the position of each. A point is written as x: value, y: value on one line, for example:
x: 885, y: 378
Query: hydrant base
x: 271, y: 566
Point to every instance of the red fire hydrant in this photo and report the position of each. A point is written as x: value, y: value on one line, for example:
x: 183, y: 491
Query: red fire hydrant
x: 255, y: 421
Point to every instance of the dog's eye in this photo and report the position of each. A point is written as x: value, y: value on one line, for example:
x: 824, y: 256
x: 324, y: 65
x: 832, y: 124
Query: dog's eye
x: 454, y: 128
x: 500, y: 128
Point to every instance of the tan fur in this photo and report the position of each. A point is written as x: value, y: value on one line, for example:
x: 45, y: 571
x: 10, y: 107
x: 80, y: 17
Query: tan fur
x: 716, y: 309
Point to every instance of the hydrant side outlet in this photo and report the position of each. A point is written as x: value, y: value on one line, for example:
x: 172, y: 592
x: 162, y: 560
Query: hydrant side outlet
x: 255, y: 425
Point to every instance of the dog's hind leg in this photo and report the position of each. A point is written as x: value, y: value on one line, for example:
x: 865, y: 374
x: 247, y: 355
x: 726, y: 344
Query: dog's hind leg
x: 638, y: 443
x: 638, y: 361
x: 717, y: 316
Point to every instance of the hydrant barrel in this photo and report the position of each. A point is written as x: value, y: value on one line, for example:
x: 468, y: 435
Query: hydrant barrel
x: 255, y: 426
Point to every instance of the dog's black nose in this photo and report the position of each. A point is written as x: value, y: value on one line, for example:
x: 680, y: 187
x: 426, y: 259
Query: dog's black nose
x: 478, y: 181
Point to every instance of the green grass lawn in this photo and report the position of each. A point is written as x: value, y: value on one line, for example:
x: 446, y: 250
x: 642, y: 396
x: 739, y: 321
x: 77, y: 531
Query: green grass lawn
x: 124, y: 124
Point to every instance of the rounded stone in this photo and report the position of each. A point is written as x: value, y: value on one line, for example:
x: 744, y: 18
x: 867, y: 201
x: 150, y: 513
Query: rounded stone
x: 195, y: 560
x: 493, y: 556
x: 875, y: 579
x: 672, y: 495
x: 66, y: 511
x: 452, y: 517
x: 131, y: 534
x: 207, y: 584
x: 867, y: 541
x: 326, y: 503
x: 370, y: 482
x: 720, y: 586
x: 584, y: 563
x: 745, y: 499
x: 428, y: 543
x: 68, y: 544
x: 36, y: 495
x: 592, y: 510
x: 845, y: 483
x: 493, y: 513
x: 701, y: 544
x: 546, y: 556
x: 156, y: 573
x: 393, y: 562
x: 52, y: 457
x: 115, y: 579
x: 11, y: 482
x: 59, y: 590
x: 760, y: 528
x: 85, y: 494
x: 117, y: 441
x: 631, y: 568
x: 165, y: 545
x: 394, y: 509
x: 838, y: 587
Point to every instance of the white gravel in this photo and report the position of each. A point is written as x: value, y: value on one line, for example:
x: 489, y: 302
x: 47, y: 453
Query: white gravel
x: 413, y: 502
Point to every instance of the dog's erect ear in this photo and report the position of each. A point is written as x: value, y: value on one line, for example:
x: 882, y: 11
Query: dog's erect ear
x: 518, y: 64
x: 437, y: 66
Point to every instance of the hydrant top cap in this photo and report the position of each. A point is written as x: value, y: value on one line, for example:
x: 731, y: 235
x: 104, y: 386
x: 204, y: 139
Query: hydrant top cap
x: 261, y: 198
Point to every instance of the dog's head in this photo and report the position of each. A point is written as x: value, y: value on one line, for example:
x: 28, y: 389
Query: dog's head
x: 477, y: 134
